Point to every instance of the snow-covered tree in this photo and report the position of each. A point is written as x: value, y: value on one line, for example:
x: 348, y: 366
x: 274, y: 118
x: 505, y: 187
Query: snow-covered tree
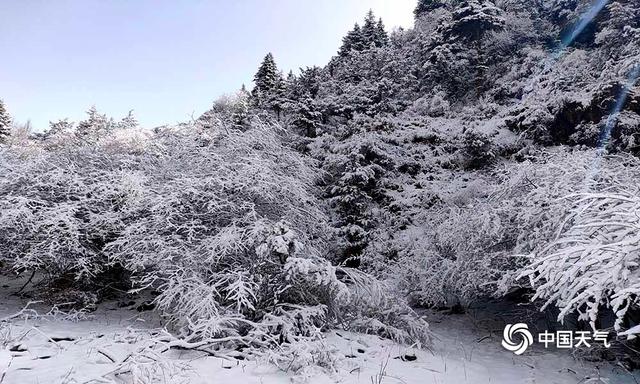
x: 267, y: 78
x: 425, y: 6
x: 269, y: 86
x: 128, y: 122
x: 95, y: 127
x: 5, y: 122
x: 371, y: 35
x: 227, y: 112
x: 353, y: 41
x: 223, y: 220
x: 381, y: 36
x: 591, y: 264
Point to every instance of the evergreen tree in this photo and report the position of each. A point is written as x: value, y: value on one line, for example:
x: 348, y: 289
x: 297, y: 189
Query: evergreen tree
x: 58, y: 135
x: 370, y: 31
x: 128, y: 122
x: 425, y: 6
x: 291, y: 79
x: 58, y: 127
x: 267, y: 78
x: 310, y: 79
x: 473, y: 19
x: 96, y: 126
x: 621, y: 27
x: 302, y: 111
x: 372, y: 34
x: 5, y: 122
x: 270, y: 86
x: 382, y: 38
x: 353, y: 41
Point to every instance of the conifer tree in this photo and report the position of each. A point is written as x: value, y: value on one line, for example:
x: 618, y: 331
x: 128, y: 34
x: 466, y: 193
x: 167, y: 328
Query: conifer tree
x: 57, y: 128
x: 270, y: 86
x: 5, y: 122
x: 310, y: 79
x: 382, y: 38
x: 128, y: 122
x: 95, y: 126
x: 267, y: 78
x: 353, y: 41
x: 369, y: 30
x: 425, y: 6
x: 372, y: 34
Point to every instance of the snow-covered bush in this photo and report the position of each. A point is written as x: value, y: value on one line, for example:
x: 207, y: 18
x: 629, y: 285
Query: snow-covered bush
x: 59, y: 208
x: 222, y: 219
x: 455, y: 259
x: 228, y: 111
x: 435, y: 105
x: 230, y: 232
x: 593, y: 261
x: 223, y: 223
x: 222, y: 215
x: 466, y: 246
x: 477, y: 150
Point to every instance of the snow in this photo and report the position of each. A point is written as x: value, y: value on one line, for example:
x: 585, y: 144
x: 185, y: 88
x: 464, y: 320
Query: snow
x: 116, y: 345
x: 631, y: 332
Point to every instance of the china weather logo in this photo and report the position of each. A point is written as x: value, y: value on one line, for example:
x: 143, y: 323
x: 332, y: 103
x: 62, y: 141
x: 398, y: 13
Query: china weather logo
x: 517, y: 338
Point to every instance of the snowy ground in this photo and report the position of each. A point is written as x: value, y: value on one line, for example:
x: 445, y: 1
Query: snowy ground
x: 113, y: 347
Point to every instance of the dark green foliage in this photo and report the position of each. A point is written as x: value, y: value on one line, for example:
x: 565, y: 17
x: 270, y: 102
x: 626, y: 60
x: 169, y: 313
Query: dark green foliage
x: 359, y: 165
x: 300, y: 108
x: 477, y: 149
x: 425, y: 6
x: 268, y: 77
x: 5, y: 122
x: 353, y: 41
x: 269, y: 87
x: 371, y: 35
x: 473, y: 19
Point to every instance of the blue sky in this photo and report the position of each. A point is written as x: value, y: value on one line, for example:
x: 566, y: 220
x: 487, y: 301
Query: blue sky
x: 164, y: 59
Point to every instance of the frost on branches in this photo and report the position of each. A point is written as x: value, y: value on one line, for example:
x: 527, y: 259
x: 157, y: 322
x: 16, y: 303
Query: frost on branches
x: 220, y: 217
x: 593, y: 262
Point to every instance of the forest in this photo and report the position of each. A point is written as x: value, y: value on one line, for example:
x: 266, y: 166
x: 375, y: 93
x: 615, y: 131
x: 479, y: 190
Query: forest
x: 485, y: 158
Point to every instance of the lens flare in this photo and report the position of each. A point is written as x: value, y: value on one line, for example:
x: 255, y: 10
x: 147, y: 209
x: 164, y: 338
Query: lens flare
x: 565, y: 43
x: 585, y: 20
x: 605, y: 135
x: 612, y: 119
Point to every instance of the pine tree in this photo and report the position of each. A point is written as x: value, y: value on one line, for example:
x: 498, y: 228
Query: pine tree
x: 372, y: 34
x: 58, y: 127
x: 310, y: 79
x: 5, y: 122
x: 425, y: 6
x: 473, y: 19
x: 267, y: 78
x: 300, y: 106
x: 382, y: 38
x: 353, y: 41
x: 270, y: 86
x: 95, y: 127
x: 243, y: 90
x: 291, y: 79
x: 369, y: 30
x: 128, y: 122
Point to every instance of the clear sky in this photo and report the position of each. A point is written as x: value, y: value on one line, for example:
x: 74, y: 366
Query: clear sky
x: 165, y: 59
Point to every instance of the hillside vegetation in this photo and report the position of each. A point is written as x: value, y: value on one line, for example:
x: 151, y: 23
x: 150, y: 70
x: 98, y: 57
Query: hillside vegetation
x: 440, y: 166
